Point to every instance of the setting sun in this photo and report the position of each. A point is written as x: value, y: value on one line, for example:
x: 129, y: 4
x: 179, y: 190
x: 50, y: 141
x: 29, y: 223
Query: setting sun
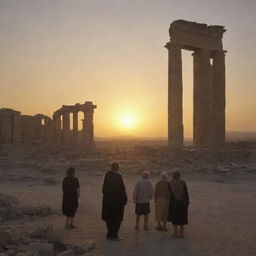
x: 128, y: 122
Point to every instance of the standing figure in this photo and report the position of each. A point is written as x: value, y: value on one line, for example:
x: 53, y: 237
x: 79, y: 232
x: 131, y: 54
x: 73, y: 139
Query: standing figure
x: 162, y: 197
x: 142, y: 194
x: 179, y: 201
x: 114, y: 200
x: 70, y: 188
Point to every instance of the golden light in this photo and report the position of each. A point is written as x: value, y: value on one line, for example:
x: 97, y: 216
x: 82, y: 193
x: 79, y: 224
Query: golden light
x: 128, y: 122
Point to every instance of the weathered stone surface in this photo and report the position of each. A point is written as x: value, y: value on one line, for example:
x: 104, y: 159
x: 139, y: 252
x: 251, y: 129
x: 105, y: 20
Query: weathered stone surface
x: 42, y: 249
x: 68, y: 252
x: 39, y: 232
x: 62, y: 131
x: 5, y: 238
x: 17, y: 128
x: 85, y: 248
x: 192, y: 35
x: 53, y: 236
x: 202, y: 129
x: 175, y: 123
x: 209, y: 83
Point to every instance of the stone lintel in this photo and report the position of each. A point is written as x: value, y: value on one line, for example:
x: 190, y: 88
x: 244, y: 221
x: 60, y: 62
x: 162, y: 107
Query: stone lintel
x: 192, y: 35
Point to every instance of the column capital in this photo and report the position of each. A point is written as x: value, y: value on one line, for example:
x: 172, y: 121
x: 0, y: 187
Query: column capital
x: 171, y: 45
x: 219, y: 53
x: 205, y: 52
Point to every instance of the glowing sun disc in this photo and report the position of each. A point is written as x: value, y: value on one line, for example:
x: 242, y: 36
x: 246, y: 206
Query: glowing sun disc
x: 128, y: 121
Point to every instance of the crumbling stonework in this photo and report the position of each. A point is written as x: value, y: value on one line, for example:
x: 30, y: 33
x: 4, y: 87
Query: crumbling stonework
x: 17, y: 128
x: 8, y: 123
x: 209, y: 83
x: 62, y: 132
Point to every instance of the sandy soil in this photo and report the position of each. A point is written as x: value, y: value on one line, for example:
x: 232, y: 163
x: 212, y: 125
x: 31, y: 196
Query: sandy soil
x: 222, y: 214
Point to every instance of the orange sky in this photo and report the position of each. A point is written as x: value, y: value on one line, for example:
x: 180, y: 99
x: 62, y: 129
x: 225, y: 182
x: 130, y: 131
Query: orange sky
x: 112, y: 52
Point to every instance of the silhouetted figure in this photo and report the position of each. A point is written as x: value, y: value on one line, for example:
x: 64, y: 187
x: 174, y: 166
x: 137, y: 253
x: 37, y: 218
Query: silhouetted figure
x: 142, y: 194
x: 70, y: 188
x: 114, y: 200
x: 162, y: 197
x: 179, y: 201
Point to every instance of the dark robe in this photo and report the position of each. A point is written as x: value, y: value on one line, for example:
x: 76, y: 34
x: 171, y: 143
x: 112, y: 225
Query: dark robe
x: 178, y: 209
x: 114, y: 197
x: 70, y: 197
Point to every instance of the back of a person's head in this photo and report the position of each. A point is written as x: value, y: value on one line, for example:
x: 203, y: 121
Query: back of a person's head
x: 71, y: 171
x: 115, y: 166
x: 176, y: 175
x: 164, y: 175
x: 145, y: 174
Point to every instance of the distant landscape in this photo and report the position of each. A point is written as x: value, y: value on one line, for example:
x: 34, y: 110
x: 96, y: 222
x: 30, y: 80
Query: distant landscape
x: 230, y: 136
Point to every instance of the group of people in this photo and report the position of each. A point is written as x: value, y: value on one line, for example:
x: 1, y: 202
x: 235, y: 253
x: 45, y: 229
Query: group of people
x: 171, y: 201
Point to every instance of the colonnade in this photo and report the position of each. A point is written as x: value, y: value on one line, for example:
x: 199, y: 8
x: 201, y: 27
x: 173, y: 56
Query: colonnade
x: 209, y: 84
x: 62, y: 129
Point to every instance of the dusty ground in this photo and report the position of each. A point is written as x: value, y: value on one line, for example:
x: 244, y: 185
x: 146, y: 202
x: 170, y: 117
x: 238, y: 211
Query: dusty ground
x: 222, y: 213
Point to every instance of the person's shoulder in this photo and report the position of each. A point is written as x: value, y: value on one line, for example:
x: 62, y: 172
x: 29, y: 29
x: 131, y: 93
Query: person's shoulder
x: 149, y: 182
x: 183, y: 182
x: 114, y: 174
x: 65, y: 178
x: 108, y: 173
x: 158, y: 182
x: 140, y: 181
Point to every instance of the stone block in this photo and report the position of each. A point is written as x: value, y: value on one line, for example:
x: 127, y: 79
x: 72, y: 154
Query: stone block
x: 68, y: 252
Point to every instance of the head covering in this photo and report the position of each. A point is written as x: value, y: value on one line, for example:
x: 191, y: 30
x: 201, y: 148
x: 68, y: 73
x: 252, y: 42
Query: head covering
x: 164, y: 175
x: 176, y: 185
x: 176, y: 174
x: 145, y: 174
x: 70, y: 171
x: 115, y: 166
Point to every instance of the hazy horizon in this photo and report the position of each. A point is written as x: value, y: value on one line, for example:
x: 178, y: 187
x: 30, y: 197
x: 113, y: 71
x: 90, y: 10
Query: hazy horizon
x: 111, y: 52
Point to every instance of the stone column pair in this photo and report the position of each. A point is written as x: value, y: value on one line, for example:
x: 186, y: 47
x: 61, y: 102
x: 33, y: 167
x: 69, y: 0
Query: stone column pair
x: 88, y: 129
x: 209, y: 98
x: 68, y: 137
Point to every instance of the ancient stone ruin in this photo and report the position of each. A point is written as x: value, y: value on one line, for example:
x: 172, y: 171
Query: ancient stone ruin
x: 17, y: 128
x: 62, y: 132
x: 209, y: 83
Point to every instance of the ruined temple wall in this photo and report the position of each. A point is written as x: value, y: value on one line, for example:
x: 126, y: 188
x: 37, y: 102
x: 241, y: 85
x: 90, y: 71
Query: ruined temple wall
x: 7, y: 125
x: 5, y: 130
x: 17, y: 128
x: 31, y: 129
x: 209, y: 83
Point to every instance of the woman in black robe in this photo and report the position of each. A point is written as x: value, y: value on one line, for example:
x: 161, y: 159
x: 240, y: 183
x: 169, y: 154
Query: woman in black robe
x: 70, y: 188
x: 114, y: 200
x: 178, y: 207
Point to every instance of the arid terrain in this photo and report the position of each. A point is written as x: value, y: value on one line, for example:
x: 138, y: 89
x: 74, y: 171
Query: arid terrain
x: 222, y: 188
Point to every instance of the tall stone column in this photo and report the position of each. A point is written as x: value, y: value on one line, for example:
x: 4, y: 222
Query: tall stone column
x: 219, y: 101
x: 202, y: 98
x: 16, y: 129
x: 175, y: 120
x: 75, y: 127
x: 66, y: 128
x: 57, y: 127
x: 88, y: 136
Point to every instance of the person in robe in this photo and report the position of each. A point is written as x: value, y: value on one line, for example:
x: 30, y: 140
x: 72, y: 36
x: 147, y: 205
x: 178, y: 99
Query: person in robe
x: 178, y: 207
x: 142, y: 194
x: 114, y: 201
x: 70, y: 188
x: 162, y: 197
